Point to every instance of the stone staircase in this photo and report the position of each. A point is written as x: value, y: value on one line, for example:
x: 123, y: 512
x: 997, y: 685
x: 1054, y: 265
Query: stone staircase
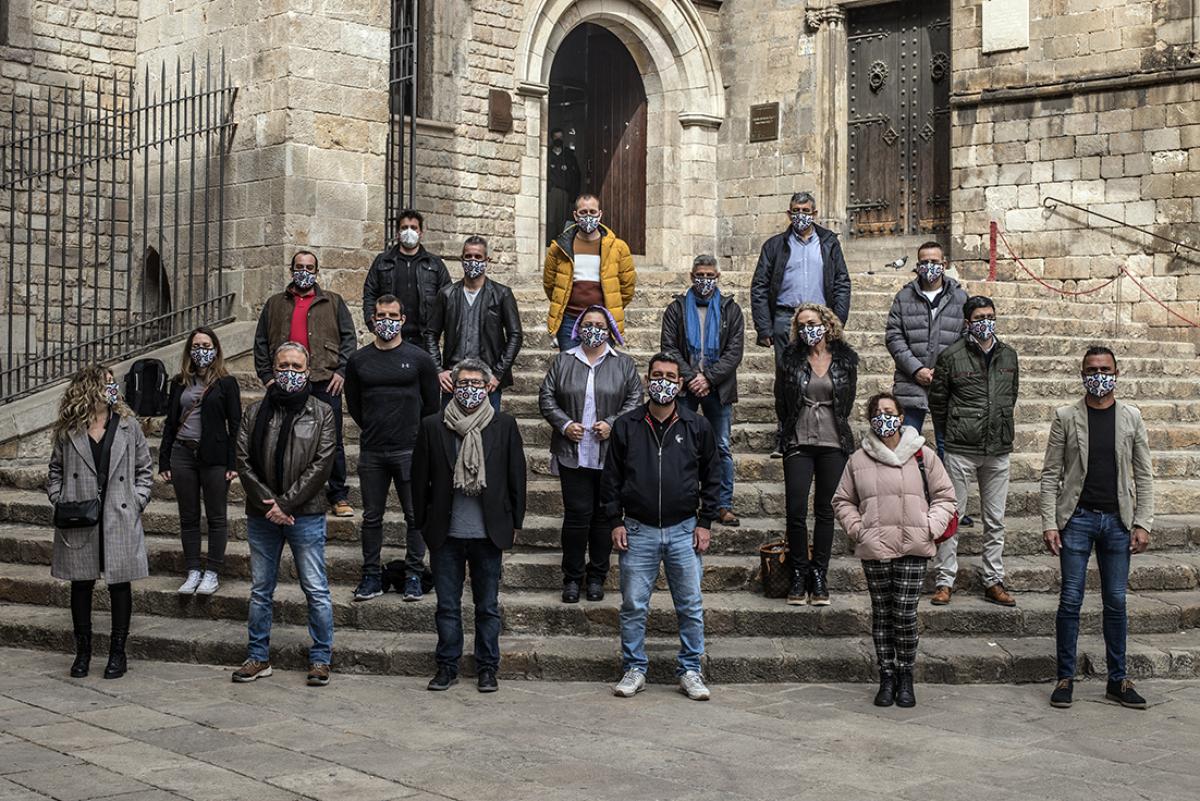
x: 750, y: 638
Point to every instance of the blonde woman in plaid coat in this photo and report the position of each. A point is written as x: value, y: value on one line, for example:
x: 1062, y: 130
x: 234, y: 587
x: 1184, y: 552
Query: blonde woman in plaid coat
x: 100, y: 451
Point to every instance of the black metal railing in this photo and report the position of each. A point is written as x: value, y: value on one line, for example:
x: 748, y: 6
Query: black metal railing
x: 400, y: 169
x: 111, y: 220
x: 1051, y: 202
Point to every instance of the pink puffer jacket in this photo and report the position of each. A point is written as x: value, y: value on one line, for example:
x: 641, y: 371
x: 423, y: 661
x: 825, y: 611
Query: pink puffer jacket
x: 880, y: 501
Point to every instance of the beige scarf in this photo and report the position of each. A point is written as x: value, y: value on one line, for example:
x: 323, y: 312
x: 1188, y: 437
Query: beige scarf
x: 470, y: 474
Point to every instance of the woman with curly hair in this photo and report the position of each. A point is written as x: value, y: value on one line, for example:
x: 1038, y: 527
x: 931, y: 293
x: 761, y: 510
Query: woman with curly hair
x: 100, y: 453
x: 817, y: 384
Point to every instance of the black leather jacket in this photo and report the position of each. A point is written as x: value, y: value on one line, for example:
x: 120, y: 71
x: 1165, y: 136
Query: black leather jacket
x: 722, y: 375
x: 772, y: 264
x: 795, y: 373
x: 500, y: 336
x: 382, y: 278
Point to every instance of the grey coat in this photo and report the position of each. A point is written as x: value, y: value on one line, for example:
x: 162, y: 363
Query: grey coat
x: 130, y: 478
x: 618, y: 389
x: 915, y: 337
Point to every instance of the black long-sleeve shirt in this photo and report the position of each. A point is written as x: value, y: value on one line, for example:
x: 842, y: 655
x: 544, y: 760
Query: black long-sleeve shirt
x: 388, y: 392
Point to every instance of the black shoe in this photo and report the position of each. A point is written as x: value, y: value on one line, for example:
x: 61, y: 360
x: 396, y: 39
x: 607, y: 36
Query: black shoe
x: 444, y: 680
x: 818, y: 589
x: 966, y: 521
x: 486, y: 681
x: 887, y: 688
x: 798, y: 594
x: 370, y: 587
x: 117, y: 664
x: 570, y: 592
x: 595, y: 591
x: 1062, y: 695
x: 905, y: 696
x: 1123, y: 693
x: 83, y: 655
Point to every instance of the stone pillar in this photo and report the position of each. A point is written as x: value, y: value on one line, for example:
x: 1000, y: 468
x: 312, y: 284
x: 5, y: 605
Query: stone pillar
x: 697, y: 181
x: 530, y: 221
x: 832, y: 113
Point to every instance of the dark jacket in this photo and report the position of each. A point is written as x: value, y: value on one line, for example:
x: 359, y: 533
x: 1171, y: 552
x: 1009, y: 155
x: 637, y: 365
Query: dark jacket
x: 972, y: 400
x: 722, y: 375
x: 499, y: 340
x: 433, y: 480
x: 384, y: 278
x: 307, y: 462
x: 661, y: 484
x: 797, y: 372
x: 772, y: 264
x: 915, y: 338
x: 617, y: 388
x: 331, y: 334
x: 220, y: 415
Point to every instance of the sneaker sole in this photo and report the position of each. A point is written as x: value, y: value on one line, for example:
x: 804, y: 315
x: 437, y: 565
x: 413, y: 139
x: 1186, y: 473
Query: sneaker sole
x: 262, y: 674
x: 825, y: 602
x: 358, y: 598
x: 318, y: 682
x: 1118, y: 701
x: 411, y: 598
x: 488, y: 689
x: 623, y: 694
x: 1061, y: 704
x: 797, y: 601
x: 438, y: 688
x: 208, y: 592
x: 694, y: 697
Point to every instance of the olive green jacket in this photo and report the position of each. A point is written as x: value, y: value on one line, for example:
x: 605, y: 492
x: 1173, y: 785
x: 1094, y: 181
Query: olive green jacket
x: 972, y: 401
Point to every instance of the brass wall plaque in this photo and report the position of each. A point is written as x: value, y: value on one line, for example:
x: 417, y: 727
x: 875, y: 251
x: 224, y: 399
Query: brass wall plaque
x: 764, y: 122
x: 500, y: 119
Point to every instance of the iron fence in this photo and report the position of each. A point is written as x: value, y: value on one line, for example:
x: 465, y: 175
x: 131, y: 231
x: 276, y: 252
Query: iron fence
x: 115, y: 212
x: 400, y: 169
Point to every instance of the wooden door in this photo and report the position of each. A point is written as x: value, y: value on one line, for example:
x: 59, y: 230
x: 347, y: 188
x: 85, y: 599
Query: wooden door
x: 899, y: 135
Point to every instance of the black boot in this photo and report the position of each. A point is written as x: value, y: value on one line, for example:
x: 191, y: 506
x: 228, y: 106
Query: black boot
x: 83, y: 654
x: 798, y: 594
x: 887, y: 688
x: 116, y: 666
x: 905, y: 696
x: 818, y: 589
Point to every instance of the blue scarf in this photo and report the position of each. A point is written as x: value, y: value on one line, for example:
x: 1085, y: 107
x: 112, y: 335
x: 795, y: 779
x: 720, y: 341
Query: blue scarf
x: 712, y: 328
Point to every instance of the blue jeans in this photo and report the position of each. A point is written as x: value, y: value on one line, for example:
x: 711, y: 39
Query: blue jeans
x: 916, y: 419
x: 1084, y: 530
x: 449, y: 564
x: 306, y: 537
x: 565, y: 341
x: 720, y: 417
x: 648, y: 548
x: 493, y: 396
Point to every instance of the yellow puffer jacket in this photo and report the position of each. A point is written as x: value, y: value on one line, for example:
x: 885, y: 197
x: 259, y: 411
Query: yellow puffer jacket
x: 617, y: 276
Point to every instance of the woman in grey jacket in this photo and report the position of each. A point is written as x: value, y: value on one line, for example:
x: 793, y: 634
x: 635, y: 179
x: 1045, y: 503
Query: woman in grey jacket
x: 585, y: 390
x: 100, y: 453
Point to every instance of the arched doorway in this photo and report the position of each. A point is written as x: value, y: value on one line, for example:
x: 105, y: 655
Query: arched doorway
x: 598, y: 101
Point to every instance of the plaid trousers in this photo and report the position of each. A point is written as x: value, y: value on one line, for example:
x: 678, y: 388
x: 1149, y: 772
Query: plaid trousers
x: 895, y: 587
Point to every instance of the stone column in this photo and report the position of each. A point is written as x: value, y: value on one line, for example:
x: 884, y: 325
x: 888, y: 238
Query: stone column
x: 530, y: 220
x: 832, y: 113
x: 697, y: 181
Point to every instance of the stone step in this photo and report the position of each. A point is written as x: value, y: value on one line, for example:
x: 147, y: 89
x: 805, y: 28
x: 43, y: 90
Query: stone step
x: 949, y: 660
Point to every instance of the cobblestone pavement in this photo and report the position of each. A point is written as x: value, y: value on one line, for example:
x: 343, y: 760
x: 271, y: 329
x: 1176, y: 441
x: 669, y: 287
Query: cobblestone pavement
x: 171, y: 731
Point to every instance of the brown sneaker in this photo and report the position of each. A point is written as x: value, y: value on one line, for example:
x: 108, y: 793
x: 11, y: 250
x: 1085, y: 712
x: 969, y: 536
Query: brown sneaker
x: 941, y: 596
x: 251, y: 670
x: 318, y: 675
x: 998, y: 595
x: 726, y: 517
x: 342, y: 509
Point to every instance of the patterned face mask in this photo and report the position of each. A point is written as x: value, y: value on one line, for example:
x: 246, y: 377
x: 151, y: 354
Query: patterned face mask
x: 801, y: 221
x: 303, y: 280
x: 884, y: 425
x: 982, y: 329
x: 473, y: 268
x: 587, y: 223
x: 112, y: 393
x: 811, y: 334
x: 593, y: 336
x: 202, y: 357
x: 1100, y: 385
x: 409, y: 237
x: 470, y: 398
x: 387, y: 329
x: 291, y: 380
x: 662, y: 391
x: 930, y: 271
x: 704, y: 287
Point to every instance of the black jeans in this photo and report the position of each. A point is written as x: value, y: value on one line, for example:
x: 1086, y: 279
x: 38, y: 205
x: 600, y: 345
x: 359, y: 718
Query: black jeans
x: 449, y: 564
x: 120, y: 599
x: 584, y: 529
x: 337, y: 489
x: 800, y: 467
x: 378, y: 472
x: 193, y: 481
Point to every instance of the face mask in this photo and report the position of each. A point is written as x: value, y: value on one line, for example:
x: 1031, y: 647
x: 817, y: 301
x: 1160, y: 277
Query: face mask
x: 982, y: 329
x: 203, y: 357
x: 593, y: 336
x: 801, y: 221
x: 112, y: 393
x: 303, y: 280
x: 1100, y: 385
x: 811, y: 334
x: 470, y: 398
x: 387, y: 329
x: 588, y: 224
x: 473, y: 268
x: 884, y: 425
x: 704, y: 287
x: 409, y: 237
x: 662, y: 391
x: 930, y: 271
x: 290, y: 380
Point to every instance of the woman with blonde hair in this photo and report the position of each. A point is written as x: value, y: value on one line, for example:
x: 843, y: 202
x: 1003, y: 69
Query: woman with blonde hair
x: 817, y: 384
x: 100, y: 478
x: 198, y: 454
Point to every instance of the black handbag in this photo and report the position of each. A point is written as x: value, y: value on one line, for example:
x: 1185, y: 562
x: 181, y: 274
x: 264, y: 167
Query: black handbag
x: 77, y: 514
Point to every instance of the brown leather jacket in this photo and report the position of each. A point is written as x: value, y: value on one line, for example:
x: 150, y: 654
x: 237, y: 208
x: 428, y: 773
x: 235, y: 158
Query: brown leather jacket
x: 307, y: 462
x: 331, y: 334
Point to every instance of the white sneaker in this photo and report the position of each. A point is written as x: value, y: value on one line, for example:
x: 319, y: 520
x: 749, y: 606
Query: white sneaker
x: 208, y: 584
x: 193, y: 581
x: 632, y: 683
x: 692, y: 685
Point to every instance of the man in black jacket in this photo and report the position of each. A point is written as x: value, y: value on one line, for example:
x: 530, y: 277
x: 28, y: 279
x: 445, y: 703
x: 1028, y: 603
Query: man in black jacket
x: 475, y: 318
x: 705, y: 331
x: 660, y: 491
x: 408, y: 271
x: 468, y: 483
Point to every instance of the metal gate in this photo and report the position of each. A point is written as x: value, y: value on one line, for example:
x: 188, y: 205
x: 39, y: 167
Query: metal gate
x: 400, y: 169
x: 899, y: 134
x: 111, y: 221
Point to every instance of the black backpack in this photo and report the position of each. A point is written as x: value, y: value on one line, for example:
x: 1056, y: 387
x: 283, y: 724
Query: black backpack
x: 146, y: 389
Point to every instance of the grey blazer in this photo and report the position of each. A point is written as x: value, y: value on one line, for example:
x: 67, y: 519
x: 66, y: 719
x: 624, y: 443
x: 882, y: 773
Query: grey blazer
x: 617, y: 388
x: 130, y: 477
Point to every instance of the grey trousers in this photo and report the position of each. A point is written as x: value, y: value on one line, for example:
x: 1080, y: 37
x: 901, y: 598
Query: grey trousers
x: 991, y: 474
